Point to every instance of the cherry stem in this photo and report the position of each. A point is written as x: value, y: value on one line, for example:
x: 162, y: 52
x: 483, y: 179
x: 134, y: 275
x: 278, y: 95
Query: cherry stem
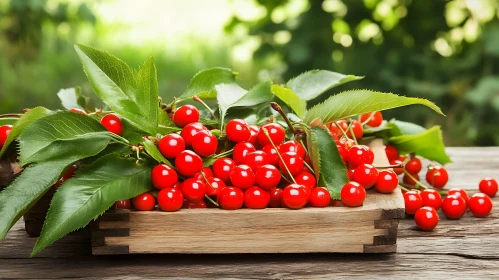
x: 415, y: 180
x: 226, y: 153
x: 404, y: 189
x: 195, y: 98
x: 341, y: 129
x: 211, y: 200
x: 279, y: 154
x: 278, y: 108
x: 368, y: 119
x: 98, y: 112
x: 11, y: 115
x: 309, y: 167
x: 389, y: 166
x: 353, y: 134
x: 206, y: 180
x: 284, y: 177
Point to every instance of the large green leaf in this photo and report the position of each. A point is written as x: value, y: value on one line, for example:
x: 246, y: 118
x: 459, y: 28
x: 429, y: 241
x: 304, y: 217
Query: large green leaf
x: 153, y: 151
x: 147, y: 91
x: 91, y: 192
x: 27, y: 119
x: 204, y: 82
x: 356, y: 102
x: 298, y: 105
x: 313, y: 83
x: 404, y: 128
x: 165, y: 124
x: 72, y: 98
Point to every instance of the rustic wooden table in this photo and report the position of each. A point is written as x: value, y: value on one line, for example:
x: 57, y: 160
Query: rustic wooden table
x: 467, y: 248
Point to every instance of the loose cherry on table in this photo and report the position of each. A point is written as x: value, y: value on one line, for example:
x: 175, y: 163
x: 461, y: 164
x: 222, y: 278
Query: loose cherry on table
x: 387, y: 181
x: 453, y: 206
x: 188, y: 163
x: 293, y: 162
x: 242, y: 177
x: 185, y: 115
x: 437, y: 176
x: 194, y: 190
x: 194, y: 205
x: 306, y: 179
x: 238, y: 130
x: 144, y: 202
x: 241, y: 150
x: 459, y: 191
x: 163, y: 176
x: 271, y: 154
x: 275, y: 197
x: 170, y: 199
x: 375, y: 121
x: 409, y: 181
x: 190, y: 130
x: 231, y: 198
x: 222, y: 168
x: 480, y: 205
x: 413, y: 166
x: 295, y: 196
x: 4, y: 133
x: 275, y: 131
x: 112, y: 123
x: 123, y: 204
x: 487, y: 186
x: 204, y: 143
x: 267, y: 176
x: 431, y: 198
x: 359, y: 155
x: 214, y: 185
x: 256, y: 198
x: 357, y: 129
x: 353, y: 194
x: 426, y: 218
x: 171, y: 145
x: 256, y: 159
x: 320, y: 197
x: 366, y: 175
x: 413, y: 202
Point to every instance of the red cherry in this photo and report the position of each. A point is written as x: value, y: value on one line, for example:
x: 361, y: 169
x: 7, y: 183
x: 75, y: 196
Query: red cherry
x: 144, y: 202
x: 391, y: 152
x: 295, y: 196
x: 170, y: 199
x: 204, y: 143
x: 293, y: 162
x: 112, y: 123
x: 231, y: 198
x: 413, y: 166
x: 426, y: 218
x: 271, y: 154
x: 4, y: 133
x: 366, y: 175
x: 171, y: 145
x: 358, y: 131
x: 241, y: 150
x: 78, y: 111
x: 359, y: 155
x: 66, y: 176
x: 409, y: 181
x: 454, y: 206
x: 488, y: 186
x: 242, y: 177
x: 458, y: 191
x: 206, y: 172
x: 256, y: 198
x: 306, y: 179
x: 222, y: 168
x: 123, y: 204
x: 194, y: 205
x: 292, y: 146
x: 343, y: 151
x: 275, y: 131
x: 275, y: 197
x: 185, y: 115
x: 188, y: 163
x: 256, y: 159
x: 237, y: 130
x: 375, y: 121
x: 335, y: 131
x: 397, y: 170
x: 431, y: 198
x: 480, y: 205
x: 413, y: 202
x: 254, y: 135
x: 437, y: 176
x: 193, y: 189
x: 387, y: 181
x: 189, y: 131
x: 350, y: 174
x: 353, y: 194
x: 320, y: 197
x: 163, y: 176
x: 214, y: 185
x: 267, y: 176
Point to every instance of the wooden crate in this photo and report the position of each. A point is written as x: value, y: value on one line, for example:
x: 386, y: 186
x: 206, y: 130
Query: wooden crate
x: 371, y: 228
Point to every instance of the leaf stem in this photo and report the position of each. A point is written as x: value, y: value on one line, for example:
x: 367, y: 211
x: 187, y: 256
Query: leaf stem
x: 279, y: 154
x: 278, y: 108
x: 195, y: 98
x: 415, y: 180
x: 211, y: 200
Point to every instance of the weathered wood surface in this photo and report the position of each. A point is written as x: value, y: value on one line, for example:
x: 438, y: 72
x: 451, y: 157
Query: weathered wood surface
x: 463, y: 249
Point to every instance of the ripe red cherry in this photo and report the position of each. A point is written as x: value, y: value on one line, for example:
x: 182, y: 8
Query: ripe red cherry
x: 387, y: 181
x: 295, y: 196
x: 194, y: 205
x: 204, y: 143
x: 359, y: 155
x: 267, y: 176
x: 66, y: 176
x: 185, y: 115
x: 292, y: 146
x: 256, y: 198
x: 241, y: 150
x: 413, y: 166
x: 350, y: 174
x: 193, y: 190
x: 214, y: 185
x: 413, y: 202
x: 271, y: 154
x: 293, y: 162
x: 366, y: 175
x: 275, y: 131
x: 458, y: 191
x: 480, y: 205
x: 242, y: 177
x: 222, y: 168
x: 4, y: 133
x: 320, y: 197
x: 78, y: 111
x: 189, y: 131
x: 426, y: 218
x: 144, y: 202
x: 112, y: 123
x: 123, y: 204
x: 453, y: 206
x: 409, y: 181
x: 397, y: 170
x: 343, y: 151
x: 335, y: 131
x: 431, y: 198
x: 171, y: 145
x: 231, y: 198
x: 391, y: 152
x: 254, y: 135
x: 188, y: 163
x: 256, y: 159
x: 353, y: 194
x: 358, y: 131
x: 275, y: 197
x: 437, y: 176
x: 488, y: 186
x: 163, y: 176
x: 306, y: 179
x: 237, y: 130
x: 206, y: 172
x: 170, y: 199
x: 375, y: 121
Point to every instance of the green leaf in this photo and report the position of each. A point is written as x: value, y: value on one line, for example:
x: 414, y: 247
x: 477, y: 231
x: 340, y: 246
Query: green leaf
x: 298, y: 105
x: 27, y: 119
x: 91, y: 192
x: 405, y: 128
x: 356, y: 102
x: 153, y: 151
x: 204, y: 82
x: 114, y: 82
x: 428, y: 144
x: 166, y: 124
x: 313, y: 83
x: 72, y: 98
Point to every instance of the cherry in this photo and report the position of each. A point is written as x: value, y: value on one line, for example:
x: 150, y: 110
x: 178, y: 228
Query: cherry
x: 409, y: 181
x: 190, y: 130
x: 343, y: 151
x: 112, y: 123
x: 458, y: 191
x: 254, y: 135
x: 206, y: 172
x: 171, y: 145
x: 357, y: 129
x: 222, y: 168
x: 426, y: 218
x: 480, y: 205
x: 375, y: 121
x: 293, y: 162
x: 292, y: 146
x: 66, y: 176
x: 413, y: 202
x: 240, y: 151
x: 193, y: 189
x: 387, y: 181
x: 231, y: 198
x: 267, y: 176
x: 306, y: 179
x: 275, y: 197
x: 78, y: 111
x: 488, y: 186
x: 163, y: 176
x: 256, y: 198
x: 242, y: 177
x: 437, y: 176
x: 144, y: 202
x: 185, y: 115
x: 453, y: 206
x: 295, y: 196
x: 366, y: 175
x: 271, y: 154
x: 214, y: 185
x: 431, y: 198
x: 237, y: 130
x: 335, y: 131
x: 359, y: 155
x: 347, y: 142
x: 397, y: 170
x: 275, y: 131
x: 350, y: 174
x: 320, y: 197
x: 170, y: 199
x: 353, y: 194
x: 256, y: 159
x: 188, y: 163
x: 123, y: 204
x: 413, y: 166
x: 391, y: 152
x: 4, y: 133
x: 194, y: 205
x: 204, y: 143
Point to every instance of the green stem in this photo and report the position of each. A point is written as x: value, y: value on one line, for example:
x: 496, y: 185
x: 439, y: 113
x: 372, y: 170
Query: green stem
x: 9, y: 119
x: 224, y: 154
x: 211, y: 200
x: 368, y: 119
x: 341, y: 129
x: 279, y: 154
x: 278, y: 108
x: 309, y: 167
x: 353, y: 134
x: 206, y: 180
x: 195, y: 98
x: 415, y: 180
x: 403, y: 188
